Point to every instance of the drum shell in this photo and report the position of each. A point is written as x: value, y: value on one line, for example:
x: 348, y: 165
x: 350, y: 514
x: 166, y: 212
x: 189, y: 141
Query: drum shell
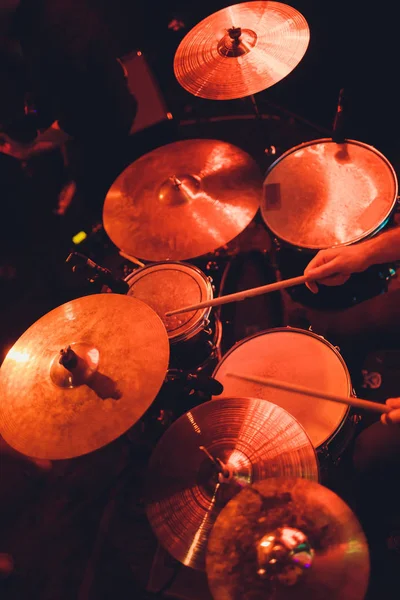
x: 291, y: 262
x: 315, y: 199
x: 259, y: 355
x: 194, y: 337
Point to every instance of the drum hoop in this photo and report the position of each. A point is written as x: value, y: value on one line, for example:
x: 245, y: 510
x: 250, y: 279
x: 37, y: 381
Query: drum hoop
x: 196, y: 323
x: 371, y: 232
x: 320, y: 338
x: 215, y: 352
x: 350, y: 412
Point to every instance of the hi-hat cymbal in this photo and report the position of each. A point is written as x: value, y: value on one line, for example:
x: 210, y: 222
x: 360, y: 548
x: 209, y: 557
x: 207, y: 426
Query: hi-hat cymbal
x: 182, y: 200
x: 116, y: 364
x: 287, y: 539
x: 241, y: 50
x: 247, y: 439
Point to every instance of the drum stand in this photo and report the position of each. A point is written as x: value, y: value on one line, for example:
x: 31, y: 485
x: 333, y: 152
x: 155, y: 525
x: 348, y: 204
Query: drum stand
x: 288, y: 113
x: 270, y: 149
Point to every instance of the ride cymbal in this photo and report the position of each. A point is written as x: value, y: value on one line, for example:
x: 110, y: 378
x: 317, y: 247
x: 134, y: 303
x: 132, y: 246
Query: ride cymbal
x: 182, y: 200
x: 287, y: 539
x: 207, y: 456
x: 81, y: 376
x: 241, y: 50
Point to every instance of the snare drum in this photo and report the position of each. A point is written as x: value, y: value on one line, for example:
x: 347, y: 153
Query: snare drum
x: 322, y: 194
x: 300, y: 357
x: 194, y: 336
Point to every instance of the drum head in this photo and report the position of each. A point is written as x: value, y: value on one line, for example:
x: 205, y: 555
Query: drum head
x: 298, y: 357
x: 322, y: 194
x: 168, y: 286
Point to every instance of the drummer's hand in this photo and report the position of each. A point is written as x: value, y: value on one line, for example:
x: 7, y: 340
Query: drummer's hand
x: 335, y: 265
x: 393, y: 416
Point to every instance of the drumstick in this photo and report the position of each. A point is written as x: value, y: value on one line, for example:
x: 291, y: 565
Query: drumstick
x: 132, y: 259
x: 264, y: 289
x: 299, y: 389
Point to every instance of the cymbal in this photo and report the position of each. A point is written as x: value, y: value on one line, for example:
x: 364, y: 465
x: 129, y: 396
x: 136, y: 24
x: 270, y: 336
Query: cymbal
x: 116, y: 364
x: 287, y: 539
x: 182, y: 200
x: 247, y: 439
x: 241, y: 50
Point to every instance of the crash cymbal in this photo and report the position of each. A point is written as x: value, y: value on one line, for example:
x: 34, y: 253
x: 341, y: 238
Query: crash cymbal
x: 241, y: 50
x: 116, y: 364
x: 207, y: 456
x: 182, y: 200
x: 287, y: 539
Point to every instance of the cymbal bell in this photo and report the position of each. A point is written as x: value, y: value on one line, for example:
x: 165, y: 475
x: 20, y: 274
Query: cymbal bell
x: 207, y: 456
x: 241, y: 50
x: 182, y: 200
x: 81, y: 376
x: 287, y: 539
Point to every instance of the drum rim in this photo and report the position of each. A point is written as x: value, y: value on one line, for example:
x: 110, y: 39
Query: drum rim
x: 316, y: 336
x: 196, y: 322
x: 372, y: 231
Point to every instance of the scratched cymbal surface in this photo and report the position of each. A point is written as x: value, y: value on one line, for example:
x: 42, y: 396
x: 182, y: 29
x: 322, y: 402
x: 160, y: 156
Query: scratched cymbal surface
x: 49, y: 411
x: 255, y: 439
x: 287, y: 539
x: 268, y: 41
x: 182, y: 200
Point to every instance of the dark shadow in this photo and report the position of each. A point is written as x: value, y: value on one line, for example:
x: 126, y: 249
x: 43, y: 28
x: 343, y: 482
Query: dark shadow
x: 104, y: 387
x: 342, y: 155
x: 272, y: 195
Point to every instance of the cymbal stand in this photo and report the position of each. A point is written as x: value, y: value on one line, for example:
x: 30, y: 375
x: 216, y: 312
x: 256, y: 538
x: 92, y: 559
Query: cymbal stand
x: 269, y: 149
x: 255, y: 107
x: 321, y: 130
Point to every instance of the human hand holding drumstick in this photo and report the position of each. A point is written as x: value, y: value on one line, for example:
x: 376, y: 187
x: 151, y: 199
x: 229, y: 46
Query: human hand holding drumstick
x: 334, y: 266
x: 393, y: 416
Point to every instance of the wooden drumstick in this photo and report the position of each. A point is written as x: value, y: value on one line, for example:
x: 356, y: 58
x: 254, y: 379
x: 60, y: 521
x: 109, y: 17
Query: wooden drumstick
x: 132, y: 259
x: 299, y: 389
x: 264, y: 289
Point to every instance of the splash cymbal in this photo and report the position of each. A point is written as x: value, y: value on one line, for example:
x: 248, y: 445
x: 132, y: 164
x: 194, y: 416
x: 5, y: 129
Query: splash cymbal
x: 207, y: 456
x: 287, y: 539
x: 182, y: 200
x: 81, y: 376
x: 241, y: 50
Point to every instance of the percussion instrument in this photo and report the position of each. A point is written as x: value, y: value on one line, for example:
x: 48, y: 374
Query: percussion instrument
x: 206, y: 457
x: 241, y: 50
x: 182, y: 200
x: 298, y: 357
x: 194, y: 336
x: 285, y: 539
x: 322, y: 194
x: 82, y: 375
x: 232, y: 486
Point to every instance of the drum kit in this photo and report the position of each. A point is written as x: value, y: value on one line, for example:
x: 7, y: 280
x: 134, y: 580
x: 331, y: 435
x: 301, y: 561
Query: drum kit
x: 233, y: 484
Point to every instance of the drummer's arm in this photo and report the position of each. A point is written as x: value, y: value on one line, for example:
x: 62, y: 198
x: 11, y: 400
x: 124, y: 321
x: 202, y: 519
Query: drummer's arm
x: 335, y: 265
x: 383, y: 248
